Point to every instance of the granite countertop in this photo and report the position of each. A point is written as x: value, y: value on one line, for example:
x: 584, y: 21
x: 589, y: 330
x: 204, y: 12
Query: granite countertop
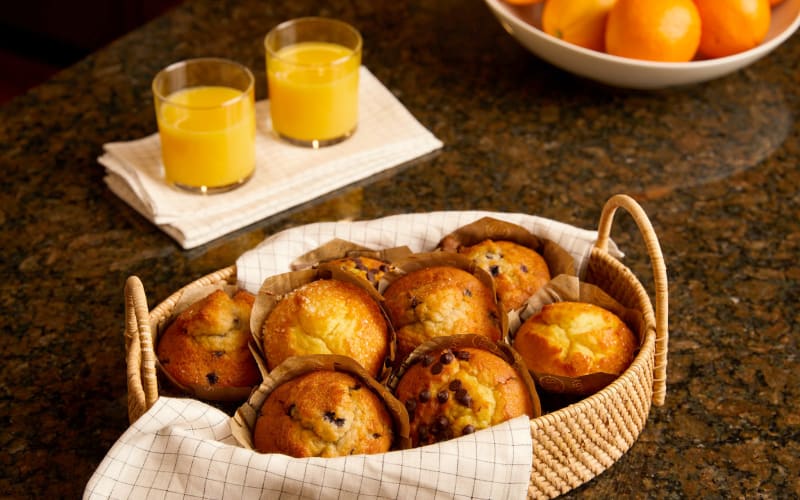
x: 715, y: 165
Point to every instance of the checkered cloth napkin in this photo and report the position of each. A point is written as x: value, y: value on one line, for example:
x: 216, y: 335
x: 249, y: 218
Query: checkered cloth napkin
x: 182, y: 448
x: 286, y: 175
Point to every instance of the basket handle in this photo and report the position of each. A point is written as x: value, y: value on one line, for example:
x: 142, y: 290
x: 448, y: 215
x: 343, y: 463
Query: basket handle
x: 659, y: 276
x: 140, y: 357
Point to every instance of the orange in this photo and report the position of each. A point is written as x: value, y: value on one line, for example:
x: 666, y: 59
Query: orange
x: 654, y: 30
x: 732, y: 26
x: 582, y: 22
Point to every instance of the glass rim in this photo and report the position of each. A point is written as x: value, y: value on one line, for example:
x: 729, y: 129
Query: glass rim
x: 219, y: 60
x: 285, y: 24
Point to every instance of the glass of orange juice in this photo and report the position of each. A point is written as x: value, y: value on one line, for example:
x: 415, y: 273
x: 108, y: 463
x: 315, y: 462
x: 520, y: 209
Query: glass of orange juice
x: 205, y: 110
x: 312, y: 75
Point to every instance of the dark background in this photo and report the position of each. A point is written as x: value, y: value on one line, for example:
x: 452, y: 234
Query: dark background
x: 40, y: 37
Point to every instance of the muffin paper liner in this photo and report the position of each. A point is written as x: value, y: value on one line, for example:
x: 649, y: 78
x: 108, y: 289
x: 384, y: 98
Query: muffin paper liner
x: 171, y: 385
x: 500, y: 349
x: 275, y: 288
x: 571, y: 288
x: 244, y: 421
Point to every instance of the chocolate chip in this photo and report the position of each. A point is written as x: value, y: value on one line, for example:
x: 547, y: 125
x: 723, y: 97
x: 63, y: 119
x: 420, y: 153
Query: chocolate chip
x: 376, y: 435
x: 371, y: 273
x: 291, y: 410
x: 467, y: 292
x: 422, y: 432
x: 454, y: 385
x: 424, y: 396
x: 523, y: 268
x: 446, y: 357
x: 427, y: 360
x: 384, y: 268
x: 463, y: 397
x: 468, y: 429
x: 212, y: 378
x: 330, y: 416
x: 356, y: 387
x: 218, y: 354
x: 440, y: 424
x: 442, y: 396
x: 414, y: 302
x: 437, y: 368
x: 411, y: 406
x: 462, y: 355
x: 359, y: 264
x: 494, y: 270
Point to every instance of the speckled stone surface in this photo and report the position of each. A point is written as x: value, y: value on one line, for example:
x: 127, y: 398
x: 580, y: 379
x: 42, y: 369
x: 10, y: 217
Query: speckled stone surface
x: 715, y: 165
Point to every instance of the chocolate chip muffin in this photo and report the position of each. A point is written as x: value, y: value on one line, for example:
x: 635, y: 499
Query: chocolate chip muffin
x: 364, y: 267
x: 518, y: 271
x: 206, y: 347
x: 323, y: 414
x: 452, y: 392
x: 573, y: 339
x: 327, y: 316
x: 440, y: 301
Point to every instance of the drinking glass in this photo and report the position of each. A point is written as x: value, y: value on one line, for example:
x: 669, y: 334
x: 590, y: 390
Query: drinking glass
x: 205, y: 110
x: 312, y: 75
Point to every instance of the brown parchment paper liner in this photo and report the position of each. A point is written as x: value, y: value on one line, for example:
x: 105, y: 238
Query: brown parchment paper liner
x: 558, y: 260
x: 172, y: 386
x: 501, y: 349
x: 417, y: 261
x: 244, y: 420
x: 570, y: 288
x: 275, y: 288
x: 338, y: 248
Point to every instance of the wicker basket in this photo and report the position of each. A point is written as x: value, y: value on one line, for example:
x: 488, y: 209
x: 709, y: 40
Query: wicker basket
x: 571, y: 445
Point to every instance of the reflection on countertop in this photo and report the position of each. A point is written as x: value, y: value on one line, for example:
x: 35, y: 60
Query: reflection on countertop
x: 715, y: 166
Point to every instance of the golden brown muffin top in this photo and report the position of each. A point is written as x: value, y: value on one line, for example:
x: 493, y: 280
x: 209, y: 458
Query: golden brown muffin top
x: 364, y: 267
x: 518, y: 271
x: 438, y: 301
x: 327, y: 317
x: 323, y: 414
x: 452, y: 392
x: 573, y: 339
x: 207, y: 344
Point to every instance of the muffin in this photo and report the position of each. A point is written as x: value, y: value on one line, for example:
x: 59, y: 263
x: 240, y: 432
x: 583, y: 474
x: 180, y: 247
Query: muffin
x: 323, y: 413
x: 452, y: 392
x: 206, y: 347
x: 364, y: 267
x: 439, y: 301
x: 518, y: 271
x: 327, y: 316
x: 573, y: 339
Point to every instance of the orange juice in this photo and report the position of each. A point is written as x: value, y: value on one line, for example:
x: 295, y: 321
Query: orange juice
x: 207, y: 136
x: 313, y: 91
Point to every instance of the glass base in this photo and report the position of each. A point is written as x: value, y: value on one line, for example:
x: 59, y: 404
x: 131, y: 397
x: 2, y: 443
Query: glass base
x: 212, y: 189
x: 315, y: 144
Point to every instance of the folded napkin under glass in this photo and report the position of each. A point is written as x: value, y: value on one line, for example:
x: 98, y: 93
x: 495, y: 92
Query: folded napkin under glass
x: 285, y: 176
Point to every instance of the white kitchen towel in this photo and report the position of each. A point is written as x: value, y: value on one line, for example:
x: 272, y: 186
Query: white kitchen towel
x: 285, y: 176
x: 182, y: 448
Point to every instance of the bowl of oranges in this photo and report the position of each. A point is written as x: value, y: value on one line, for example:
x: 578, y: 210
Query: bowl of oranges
x: 649, y: 44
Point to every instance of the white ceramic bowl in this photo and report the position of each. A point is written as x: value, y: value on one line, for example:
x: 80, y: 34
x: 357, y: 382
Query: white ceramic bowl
x: 524, y: 24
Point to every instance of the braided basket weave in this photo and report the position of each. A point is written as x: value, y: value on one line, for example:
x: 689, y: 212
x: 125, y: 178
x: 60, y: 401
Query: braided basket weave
x: 571, y: 445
